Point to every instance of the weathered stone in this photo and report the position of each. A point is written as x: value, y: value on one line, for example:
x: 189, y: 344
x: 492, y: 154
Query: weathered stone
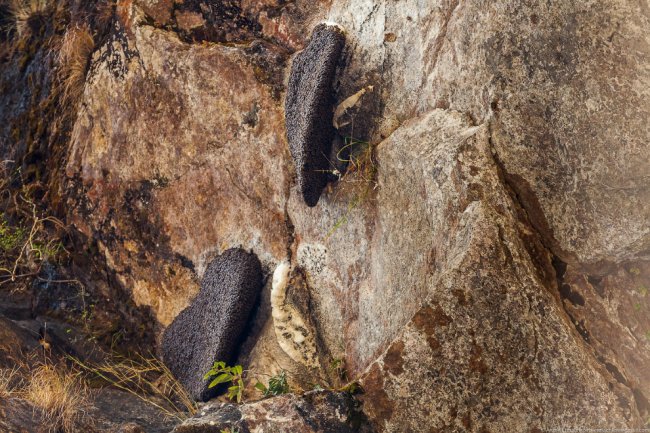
x: 17, y: 415
x: 613, y: 308
x: 313, y: 412
x: 565, y: 85
x: 189, y: 21
x: 556, y: 90
x: 309, y: 109
x: 159, y: 10
x: 148, y: 234
x: 210, y: 329
x: 108, y: 411
x: 16, y: 343
x: 486, y: 306
x: 119, y: 411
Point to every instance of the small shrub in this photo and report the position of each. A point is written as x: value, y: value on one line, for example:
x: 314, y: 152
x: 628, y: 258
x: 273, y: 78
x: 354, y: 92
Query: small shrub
x: 341, y: 379
x: 225, y: 374
x: 278, y: 385
x: 353, y: 388
x: 27, y: 238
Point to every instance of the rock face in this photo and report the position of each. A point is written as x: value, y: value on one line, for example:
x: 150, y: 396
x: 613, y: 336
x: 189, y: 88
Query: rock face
x: 491, y: 275
x: 111, y: 411
x: 485, y: 301
x: 309, y: 109
x: 313, y: 412
x: 210, y: 328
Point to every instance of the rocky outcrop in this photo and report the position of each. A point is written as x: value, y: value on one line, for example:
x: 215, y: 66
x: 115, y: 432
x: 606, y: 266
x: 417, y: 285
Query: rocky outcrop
x: 492, y: 271
x: 26, y: 346
x: 109, y: 411
x: 486, y: 305
x: 313, y: 412
x: 309, y: 109
x: 210, y: 329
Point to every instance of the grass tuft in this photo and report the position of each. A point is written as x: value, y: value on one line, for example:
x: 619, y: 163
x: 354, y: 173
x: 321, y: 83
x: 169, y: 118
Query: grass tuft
x: 361, y: 170
x: 24, y: 12
x: 74, y: 58
x: 60, y: 396
x: 8, y: 382
x: 148, y: 379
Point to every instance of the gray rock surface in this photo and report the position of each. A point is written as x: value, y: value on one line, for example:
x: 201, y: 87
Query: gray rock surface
x: 211, y: 327
x: 478, y: 268
x: 108, y: 411
x: 312, y: 412
x: 309, y: 109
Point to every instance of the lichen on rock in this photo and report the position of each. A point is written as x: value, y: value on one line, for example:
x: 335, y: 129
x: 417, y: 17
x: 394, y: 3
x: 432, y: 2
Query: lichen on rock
x: 210, y: 328
x: 309, y: 108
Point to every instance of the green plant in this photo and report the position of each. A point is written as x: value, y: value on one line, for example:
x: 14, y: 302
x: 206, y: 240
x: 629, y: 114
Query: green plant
x: 353, y: 387
x: 27, y: 239
x: 337, y: 366
x: 342, y: 382
x: 361, y: 169
x: 24, y: 11
x: 10, y: 237
x: 278, y: 385
x: 225, y: 374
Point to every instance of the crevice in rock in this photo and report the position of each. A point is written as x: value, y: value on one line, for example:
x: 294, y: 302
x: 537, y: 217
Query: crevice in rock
x: 551, y: 270
x: 227, y: 22
x: 288, y: 222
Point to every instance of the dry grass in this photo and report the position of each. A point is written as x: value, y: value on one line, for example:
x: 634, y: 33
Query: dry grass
x: 25, y: 10
x: 105, y: 13
x: 74, y: 58
x: 24, y: 250
x: 8, y: 381
x: 149, y: 380
x: 361, y: 164
x: 361, y: 169
x: 60, y: 395
x: 27, y: 239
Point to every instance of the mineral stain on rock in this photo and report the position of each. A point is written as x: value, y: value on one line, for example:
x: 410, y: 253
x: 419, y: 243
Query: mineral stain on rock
x: 210, y: 328
x: 309, y: 109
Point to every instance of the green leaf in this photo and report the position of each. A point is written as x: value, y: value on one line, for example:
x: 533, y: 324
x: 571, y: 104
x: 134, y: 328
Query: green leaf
x: 237, y: 370
x: 223, y: 377
x: 240, y: 392
x: 353, y: 388
x: 233, y: 392
x: 278, y: 385
x: 260, y: 386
